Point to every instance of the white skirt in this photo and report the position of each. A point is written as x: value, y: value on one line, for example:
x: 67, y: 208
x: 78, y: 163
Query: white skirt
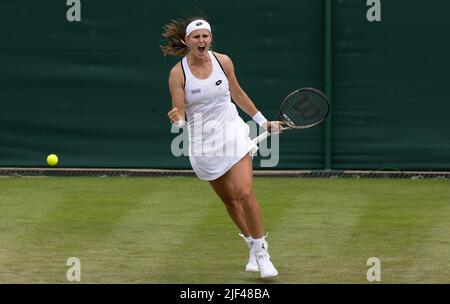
x: 213, y: 152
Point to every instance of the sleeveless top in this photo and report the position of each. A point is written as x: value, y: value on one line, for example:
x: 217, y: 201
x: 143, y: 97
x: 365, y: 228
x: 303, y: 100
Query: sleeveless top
x: 218, y: 137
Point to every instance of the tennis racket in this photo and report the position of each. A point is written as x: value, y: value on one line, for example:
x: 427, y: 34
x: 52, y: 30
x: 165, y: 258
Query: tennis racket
x: 304, y: 108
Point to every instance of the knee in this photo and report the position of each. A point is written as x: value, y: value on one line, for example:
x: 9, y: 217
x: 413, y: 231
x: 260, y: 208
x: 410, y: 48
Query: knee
x: 231, y: 202
x: 245, y: 194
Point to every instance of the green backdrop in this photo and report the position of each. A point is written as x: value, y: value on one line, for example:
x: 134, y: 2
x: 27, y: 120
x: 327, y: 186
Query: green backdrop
x: 95, y: 92
x: 390, y: 86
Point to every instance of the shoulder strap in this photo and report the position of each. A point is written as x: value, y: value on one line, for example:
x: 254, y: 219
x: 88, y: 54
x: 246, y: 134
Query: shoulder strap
x: 184, y: 73
x: 219, y: 63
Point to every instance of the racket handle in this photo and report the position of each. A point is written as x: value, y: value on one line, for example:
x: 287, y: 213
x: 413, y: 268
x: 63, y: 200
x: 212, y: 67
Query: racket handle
x: 261, y: 137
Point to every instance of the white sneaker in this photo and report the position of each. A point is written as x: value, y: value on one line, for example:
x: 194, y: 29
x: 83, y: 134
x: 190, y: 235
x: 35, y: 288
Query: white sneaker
x: 260, y: 248
x: 251, y: 266
x: 267, y: 270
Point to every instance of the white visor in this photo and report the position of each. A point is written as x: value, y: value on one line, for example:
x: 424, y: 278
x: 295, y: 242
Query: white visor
x: 197, y: 25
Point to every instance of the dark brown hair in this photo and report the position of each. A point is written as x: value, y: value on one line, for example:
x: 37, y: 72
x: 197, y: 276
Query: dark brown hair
x: 174, y: 33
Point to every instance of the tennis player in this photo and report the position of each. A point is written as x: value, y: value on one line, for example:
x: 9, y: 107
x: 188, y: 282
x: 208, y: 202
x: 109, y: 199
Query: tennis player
x: 202, y: 85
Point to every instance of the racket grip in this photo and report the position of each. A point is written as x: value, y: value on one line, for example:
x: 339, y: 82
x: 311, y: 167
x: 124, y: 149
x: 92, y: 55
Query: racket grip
x: 261, y: 137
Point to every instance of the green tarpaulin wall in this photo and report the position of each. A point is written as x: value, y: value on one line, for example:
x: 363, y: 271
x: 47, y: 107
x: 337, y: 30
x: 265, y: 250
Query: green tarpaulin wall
x: 95, y: 91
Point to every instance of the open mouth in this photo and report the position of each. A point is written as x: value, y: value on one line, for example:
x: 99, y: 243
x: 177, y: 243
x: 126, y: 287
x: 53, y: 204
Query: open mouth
x: 201, y: 49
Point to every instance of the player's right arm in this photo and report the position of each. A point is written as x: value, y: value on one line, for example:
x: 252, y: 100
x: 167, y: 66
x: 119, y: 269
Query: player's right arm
x: 176, y: 86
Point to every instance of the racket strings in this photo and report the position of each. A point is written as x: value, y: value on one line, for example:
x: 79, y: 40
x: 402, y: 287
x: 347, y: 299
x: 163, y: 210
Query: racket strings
x: 304, y: 109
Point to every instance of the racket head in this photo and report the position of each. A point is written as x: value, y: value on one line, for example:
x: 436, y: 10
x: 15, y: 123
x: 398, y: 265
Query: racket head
x: 304, y: 108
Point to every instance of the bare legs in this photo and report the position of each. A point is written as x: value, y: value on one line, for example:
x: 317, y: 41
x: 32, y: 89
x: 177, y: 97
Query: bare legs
x: 235, y: 188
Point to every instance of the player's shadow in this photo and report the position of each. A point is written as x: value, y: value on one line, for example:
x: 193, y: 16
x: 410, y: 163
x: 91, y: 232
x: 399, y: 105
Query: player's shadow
x: 258, y: 280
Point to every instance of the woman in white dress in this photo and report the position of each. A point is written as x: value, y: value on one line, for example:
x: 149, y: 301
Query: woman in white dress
x: 201, y: 86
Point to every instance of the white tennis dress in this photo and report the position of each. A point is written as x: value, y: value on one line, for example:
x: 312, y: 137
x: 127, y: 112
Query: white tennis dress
x: 218, y: 137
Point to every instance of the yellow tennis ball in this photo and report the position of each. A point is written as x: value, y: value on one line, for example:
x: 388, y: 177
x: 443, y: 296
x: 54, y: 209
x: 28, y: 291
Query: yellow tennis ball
x: 52, y: 159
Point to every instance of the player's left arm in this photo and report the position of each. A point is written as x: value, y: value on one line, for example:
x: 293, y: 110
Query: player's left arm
x: 237, y: 93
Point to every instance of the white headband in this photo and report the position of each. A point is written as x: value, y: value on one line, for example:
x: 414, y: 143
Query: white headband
x: 197, y: 25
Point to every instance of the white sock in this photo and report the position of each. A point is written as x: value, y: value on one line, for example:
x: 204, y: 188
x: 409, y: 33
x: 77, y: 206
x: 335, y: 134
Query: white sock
x: 247, y: 239
x: 259, y: 244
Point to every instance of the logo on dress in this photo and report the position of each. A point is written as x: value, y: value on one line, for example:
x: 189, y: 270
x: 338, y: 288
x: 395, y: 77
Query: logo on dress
x: 218, y: 82
x: 196, y: 91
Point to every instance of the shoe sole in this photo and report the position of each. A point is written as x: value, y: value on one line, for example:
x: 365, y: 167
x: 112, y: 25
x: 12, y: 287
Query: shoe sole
x: 270, y: 276
x: 251, y: 269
